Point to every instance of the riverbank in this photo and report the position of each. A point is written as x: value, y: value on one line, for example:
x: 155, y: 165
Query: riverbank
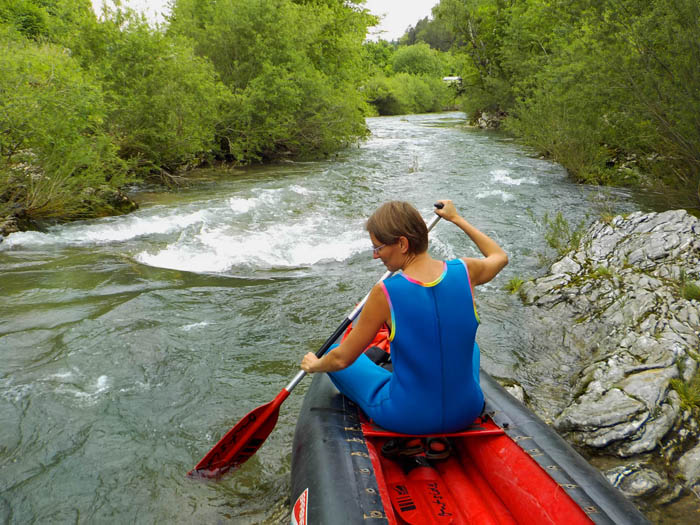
x: 618, y: 320
x: 91, y: 203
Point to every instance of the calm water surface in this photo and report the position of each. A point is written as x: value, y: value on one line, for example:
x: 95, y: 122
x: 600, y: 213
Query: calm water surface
x: 129, y: 345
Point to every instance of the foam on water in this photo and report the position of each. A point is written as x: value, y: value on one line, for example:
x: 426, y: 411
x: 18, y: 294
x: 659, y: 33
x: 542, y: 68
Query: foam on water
x: 504, y: 177
x: 192, y: 326
x: 14, y: 393
x: 212, y: 235
x: 106, y: 231
x: 90, y: 393
x: 241, y: 205
x: 301, y: 190
x: 68, y: 382
x: 276, y: 245
x: 61, y: 375
x: 99, y: 386
x: 503, y: 195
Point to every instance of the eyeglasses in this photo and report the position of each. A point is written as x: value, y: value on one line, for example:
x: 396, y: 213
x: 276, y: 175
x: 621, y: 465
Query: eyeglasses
x: 376, y: 249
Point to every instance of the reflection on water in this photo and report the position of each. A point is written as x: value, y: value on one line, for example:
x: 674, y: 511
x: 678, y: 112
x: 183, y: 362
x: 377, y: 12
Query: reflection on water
x: 129, y: 345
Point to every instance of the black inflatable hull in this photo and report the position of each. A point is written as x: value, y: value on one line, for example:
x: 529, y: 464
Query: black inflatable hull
x: 338, y: 477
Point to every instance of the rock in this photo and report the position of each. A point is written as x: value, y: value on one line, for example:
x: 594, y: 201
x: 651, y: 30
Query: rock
x: 544, y: 288
x: 516, y: 391
x: 485, y: 120
x: 689, y: 467
x: 649, y: 386
x: 597, y: 420
x: 615, y: 302
x: 636, y: 480
x: 8, y: 225
x: 652, y: 432
x: 566, y: 266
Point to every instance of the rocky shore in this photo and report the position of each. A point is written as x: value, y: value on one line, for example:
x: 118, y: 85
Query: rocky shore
x: 619, y: 322
x: 486, y: 120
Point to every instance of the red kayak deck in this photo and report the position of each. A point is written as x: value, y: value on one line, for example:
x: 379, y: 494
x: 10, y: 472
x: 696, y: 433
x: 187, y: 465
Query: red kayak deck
x: 487, y: 479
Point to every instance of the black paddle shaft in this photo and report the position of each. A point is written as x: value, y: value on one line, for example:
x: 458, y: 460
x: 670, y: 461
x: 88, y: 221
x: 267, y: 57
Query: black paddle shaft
x: 334, y: 337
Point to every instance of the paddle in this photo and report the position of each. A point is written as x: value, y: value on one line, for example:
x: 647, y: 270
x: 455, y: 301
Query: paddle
x: 248, y: 435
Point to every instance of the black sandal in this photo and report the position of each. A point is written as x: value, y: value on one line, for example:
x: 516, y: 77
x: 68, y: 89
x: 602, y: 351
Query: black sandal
x: 402, y: 447
x: 437, y: 448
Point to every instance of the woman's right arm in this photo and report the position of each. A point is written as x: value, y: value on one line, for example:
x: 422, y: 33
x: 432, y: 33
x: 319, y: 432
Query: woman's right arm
x: 374, y: 314
x: 495, y: 259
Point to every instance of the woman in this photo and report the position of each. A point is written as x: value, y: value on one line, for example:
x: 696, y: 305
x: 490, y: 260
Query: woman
x: 430, y: 312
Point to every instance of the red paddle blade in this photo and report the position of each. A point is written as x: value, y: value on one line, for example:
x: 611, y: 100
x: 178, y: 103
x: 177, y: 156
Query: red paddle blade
x: 241, y: 442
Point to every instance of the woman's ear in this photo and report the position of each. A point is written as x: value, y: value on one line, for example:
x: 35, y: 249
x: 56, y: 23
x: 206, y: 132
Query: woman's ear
x: 404, y: 245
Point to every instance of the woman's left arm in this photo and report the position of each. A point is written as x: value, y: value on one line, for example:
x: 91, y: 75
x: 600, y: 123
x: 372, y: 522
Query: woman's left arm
x: 374, y: 314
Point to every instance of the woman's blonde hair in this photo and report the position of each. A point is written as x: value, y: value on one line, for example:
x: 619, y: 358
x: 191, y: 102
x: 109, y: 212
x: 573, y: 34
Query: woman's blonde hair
x: 396, y: 219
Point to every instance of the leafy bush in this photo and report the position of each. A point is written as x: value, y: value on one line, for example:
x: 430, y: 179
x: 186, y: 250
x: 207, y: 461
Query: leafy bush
x: 51, y: 139
x: 281, y: 112
x: 689, y: 289
x: 377, y: 57
x: 84, y: 101
x: 164, y: 102
x: 380, y: 94
x: 292, y: 69
x: 557, y: 126
x: 405, y: 93
x: 560, y: 235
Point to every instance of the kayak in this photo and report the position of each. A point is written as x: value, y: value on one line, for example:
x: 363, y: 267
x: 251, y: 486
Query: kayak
x: 508, y: 467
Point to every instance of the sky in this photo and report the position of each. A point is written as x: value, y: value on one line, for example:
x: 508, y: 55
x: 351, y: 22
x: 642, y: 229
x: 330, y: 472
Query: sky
x: 396, y: 15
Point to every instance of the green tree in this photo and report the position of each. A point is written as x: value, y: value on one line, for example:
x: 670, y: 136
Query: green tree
x: 661, y: 81
x: 51, y: 141
x: 377, y: 56
x: 164, y: 102
x: 418, y: 59
x: 433, y: 32
x: 608, y: 89
x: 47, y: 20
x: 478, y: 28
x: 293, y: 70
x: 436, y: 34
x: 26, y: 17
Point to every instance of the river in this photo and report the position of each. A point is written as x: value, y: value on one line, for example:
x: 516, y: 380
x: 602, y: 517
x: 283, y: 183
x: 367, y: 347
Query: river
x: 130, y: 344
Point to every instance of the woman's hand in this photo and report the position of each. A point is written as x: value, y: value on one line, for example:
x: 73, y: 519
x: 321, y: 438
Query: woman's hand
x: 448, y: 210
x: 309, y: 362
x: 481, y: 270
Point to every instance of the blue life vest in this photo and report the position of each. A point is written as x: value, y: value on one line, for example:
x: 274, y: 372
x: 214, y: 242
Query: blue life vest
x: 435, y: 384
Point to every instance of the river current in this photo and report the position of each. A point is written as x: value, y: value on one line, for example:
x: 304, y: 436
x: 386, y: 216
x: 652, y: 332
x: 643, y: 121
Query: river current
x: 129, y: 345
